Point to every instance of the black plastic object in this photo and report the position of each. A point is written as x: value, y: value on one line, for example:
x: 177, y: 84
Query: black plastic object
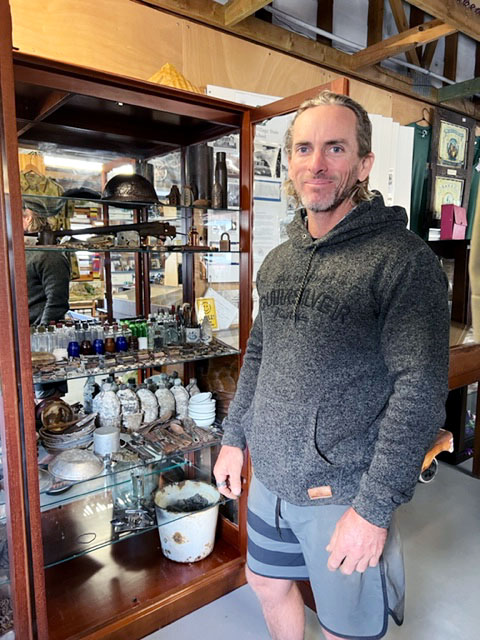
x: 82, y: 193
x: 129, y: 188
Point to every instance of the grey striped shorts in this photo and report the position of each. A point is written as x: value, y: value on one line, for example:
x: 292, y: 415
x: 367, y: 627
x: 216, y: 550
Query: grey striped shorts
x: 288, y: 541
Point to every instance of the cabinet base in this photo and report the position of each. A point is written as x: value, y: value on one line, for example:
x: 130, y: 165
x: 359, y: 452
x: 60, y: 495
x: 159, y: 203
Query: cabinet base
x: 128, y: 590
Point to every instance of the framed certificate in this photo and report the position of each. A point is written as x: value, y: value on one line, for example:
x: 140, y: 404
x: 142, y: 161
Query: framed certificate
x: 446, y: 191
x: 452, y: 145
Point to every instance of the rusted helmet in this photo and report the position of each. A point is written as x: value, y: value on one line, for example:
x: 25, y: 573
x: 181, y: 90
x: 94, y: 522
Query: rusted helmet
x: 129, y: 188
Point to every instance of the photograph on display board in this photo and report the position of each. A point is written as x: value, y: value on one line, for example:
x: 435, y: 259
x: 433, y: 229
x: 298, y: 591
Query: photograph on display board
x: 447, y: 191
x: 267, y: 160
x: 452, y: 145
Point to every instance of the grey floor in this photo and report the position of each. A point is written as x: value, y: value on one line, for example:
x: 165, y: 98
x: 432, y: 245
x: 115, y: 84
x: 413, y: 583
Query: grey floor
x: 441, y: 535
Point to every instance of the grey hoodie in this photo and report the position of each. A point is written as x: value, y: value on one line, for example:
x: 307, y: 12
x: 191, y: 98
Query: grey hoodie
x: 345, y: 374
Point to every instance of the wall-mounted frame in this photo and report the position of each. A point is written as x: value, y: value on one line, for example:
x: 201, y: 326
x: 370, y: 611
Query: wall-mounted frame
x: 446, y: 191
x: 452, y: 145
x: 451, y: 155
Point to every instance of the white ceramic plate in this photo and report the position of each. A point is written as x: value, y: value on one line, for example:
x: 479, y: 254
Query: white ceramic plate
x: 198, y: 398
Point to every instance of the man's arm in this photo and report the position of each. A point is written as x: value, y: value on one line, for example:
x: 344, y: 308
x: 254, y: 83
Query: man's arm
x: 415, y: 344
x: 55, y: 277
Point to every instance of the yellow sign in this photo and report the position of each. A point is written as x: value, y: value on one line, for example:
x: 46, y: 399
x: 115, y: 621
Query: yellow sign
x: 206, y: 307
x: 169, y: 212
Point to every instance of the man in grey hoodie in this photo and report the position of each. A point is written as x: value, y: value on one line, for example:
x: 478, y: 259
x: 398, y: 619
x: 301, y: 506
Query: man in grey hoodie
x: 342, y: 388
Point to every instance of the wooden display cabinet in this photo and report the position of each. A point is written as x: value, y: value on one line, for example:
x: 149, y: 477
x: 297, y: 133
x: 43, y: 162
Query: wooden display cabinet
x: 127, y: 589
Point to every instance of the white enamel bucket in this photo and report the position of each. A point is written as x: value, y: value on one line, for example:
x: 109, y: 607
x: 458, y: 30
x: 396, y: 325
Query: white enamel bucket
x: 186, y: 538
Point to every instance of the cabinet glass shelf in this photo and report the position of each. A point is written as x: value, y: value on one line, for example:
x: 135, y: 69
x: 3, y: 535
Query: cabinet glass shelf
x: 147, y: 250
x: 122, y: 204
x: 85, y: 524
x: 101, y: 366
x: 120, y: 473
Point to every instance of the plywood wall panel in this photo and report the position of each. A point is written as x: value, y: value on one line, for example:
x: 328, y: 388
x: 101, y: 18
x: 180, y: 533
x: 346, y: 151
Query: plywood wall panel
x: 374, y: 100
x: 406, y: 111
x: 212, y: 57
x: 118, y: 36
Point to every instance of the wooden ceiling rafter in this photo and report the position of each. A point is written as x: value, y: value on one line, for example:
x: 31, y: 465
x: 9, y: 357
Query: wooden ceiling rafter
x: 237, y: 10
x: 462, y: 17
x: 325, y: 20
x: 428, y: 53
x: 459, y: 90
x: 417, y: 16
x: 405, y: 41
x: 401, y: 21
x: 376, y: 10
x: 450, y: 59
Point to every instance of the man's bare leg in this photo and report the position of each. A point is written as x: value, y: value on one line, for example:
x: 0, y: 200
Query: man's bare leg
x: 282, y: 606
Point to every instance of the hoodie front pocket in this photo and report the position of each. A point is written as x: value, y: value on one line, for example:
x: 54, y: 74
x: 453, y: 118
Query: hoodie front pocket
x: 286, y: 430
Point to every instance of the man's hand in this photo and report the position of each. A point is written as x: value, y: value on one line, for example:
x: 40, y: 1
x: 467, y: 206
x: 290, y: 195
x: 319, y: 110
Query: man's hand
x: 227, y: 471
x: 356, y: 544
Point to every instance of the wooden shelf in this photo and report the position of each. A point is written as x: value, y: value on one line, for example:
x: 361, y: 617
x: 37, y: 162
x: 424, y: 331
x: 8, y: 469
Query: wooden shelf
x: 130, y: 589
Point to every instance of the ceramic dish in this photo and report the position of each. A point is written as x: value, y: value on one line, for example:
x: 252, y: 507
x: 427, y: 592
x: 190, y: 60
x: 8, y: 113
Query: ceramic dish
x: 204, y: 422
x: 198, y: 398
x: 200, y: 414
x: 202, y: 408
x: 75, y: 465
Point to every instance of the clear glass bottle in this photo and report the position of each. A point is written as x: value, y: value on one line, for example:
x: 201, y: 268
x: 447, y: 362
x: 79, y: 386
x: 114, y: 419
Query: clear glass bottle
x: 151, y: 332
x: 51, y: 338
x: 206, y: 331
x: 33, y: 339
x: 159, y: 333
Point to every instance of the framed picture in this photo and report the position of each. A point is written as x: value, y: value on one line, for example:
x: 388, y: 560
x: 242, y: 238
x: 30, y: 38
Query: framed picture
x: 452, y: 145
x: 446, y: 191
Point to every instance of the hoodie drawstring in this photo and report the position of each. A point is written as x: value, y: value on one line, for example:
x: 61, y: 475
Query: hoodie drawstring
x: 302, y: 286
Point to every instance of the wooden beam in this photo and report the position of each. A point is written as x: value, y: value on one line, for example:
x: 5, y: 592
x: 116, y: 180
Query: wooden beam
x: 402, y: 26
x: 237, y: 10
x: 325, y: 20
x: 53, y: 101
x: 402, y: 42
x: 376, y: 9
x: 450, y: 60
x: 460, y: 90
x: 428, y: 54
x: 417, y: 16
x: 463, y: 18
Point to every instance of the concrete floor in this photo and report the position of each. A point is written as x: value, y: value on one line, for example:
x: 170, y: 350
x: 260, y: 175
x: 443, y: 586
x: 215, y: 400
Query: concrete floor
x: 441, y: 535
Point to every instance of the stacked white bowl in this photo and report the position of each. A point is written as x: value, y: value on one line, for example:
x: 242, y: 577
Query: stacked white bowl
x: 201, y: 408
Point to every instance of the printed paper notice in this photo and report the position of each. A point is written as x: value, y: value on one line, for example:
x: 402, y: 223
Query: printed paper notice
x: 226, y: 312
